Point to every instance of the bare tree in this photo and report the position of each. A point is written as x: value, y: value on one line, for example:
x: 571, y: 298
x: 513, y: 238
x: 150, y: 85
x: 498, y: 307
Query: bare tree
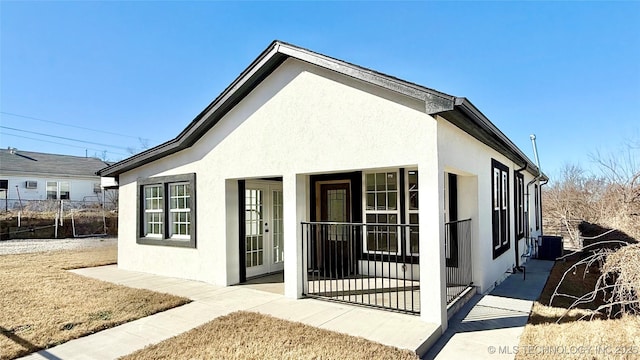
x: 610, y: 198
x: 621, y: 172
x: 143, y: 144
x: 574, y: 196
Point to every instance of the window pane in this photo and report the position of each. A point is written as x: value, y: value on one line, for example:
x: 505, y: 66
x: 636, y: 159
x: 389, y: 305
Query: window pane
x: 64, y: 190
x: 52, y: 190
x: 392, y: 200
x: 413, y: 200
x: 413, y: 218
x: 381, y: 203
x: 383, y: 244
x: 380, y: 182
x: 392, y: 182
x: 371, y: 182
x: 393, y: 241
x: 181, y: 216
x: 496, y: 188
x: 64, y: 186
x: 371, y: 241
x: 381, y: 207
x: 413, y: 180
x: 414, y: 239
x: 153, y: 211
x: 413, y: 190
x: 371, y: 201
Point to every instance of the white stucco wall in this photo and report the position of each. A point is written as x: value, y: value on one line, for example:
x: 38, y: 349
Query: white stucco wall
x: 301, y: 120
x: 461, y: 154
x: 305, y: 120
x: 80, y: 188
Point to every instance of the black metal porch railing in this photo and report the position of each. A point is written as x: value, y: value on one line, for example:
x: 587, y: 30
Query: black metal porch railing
x: 457, y: 247
x: 364, y: 264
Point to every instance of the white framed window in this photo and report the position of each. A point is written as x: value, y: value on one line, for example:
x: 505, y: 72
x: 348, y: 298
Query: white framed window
x: 167, y: 211
x: 381, y: 211
x: 153, y: 211
x: 179, y: 210
x: 58, y: 190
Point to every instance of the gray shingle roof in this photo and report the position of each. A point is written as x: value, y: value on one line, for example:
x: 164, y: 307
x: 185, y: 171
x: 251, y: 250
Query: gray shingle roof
x: 42, y: 163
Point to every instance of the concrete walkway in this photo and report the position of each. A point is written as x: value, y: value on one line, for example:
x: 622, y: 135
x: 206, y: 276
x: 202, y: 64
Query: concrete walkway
x: 488, y: 322
x: 209, y: 302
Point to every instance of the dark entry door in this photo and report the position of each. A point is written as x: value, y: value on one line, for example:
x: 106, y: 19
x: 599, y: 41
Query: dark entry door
x: 336, y: 238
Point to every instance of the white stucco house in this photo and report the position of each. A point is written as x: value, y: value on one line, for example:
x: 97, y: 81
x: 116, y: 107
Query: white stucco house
x: 358, y: 186
x: 29, y: 175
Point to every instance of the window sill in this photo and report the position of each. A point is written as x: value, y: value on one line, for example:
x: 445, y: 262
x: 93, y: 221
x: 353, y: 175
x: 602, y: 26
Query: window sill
x: 172, y: 242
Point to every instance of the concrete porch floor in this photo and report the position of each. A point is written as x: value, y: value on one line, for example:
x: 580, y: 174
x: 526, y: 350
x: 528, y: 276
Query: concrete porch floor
x: 209, y: 302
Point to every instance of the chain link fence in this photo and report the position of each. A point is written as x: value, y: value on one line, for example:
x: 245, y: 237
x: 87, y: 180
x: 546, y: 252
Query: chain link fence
x: 92, y: 216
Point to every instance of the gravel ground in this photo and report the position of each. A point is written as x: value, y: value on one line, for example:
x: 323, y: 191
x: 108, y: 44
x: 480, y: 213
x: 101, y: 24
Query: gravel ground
x: 23, y: 246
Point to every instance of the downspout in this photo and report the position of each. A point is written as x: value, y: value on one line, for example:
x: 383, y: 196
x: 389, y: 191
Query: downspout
x: 528, y: 194
x: 540, y: 189
x: 517, y: 247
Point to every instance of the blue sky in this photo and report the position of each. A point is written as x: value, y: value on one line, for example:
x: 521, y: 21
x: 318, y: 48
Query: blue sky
x: 567, y: 71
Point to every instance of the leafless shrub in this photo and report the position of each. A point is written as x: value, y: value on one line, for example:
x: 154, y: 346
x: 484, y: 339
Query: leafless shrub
x: 623, y: 266
x: 618, y: 283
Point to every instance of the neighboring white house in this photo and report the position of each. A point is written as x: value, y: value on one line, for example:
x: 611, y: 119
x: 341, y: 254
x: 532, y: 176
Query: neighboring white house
x: 377, y: 189
x: 26, y: 175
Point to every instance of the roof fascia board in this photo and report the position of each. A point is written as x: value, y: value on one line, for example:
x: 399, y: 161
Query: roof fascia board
x: 434, y: 101
x: 46, y: 175
x: 272, y: 57
x: 479, y: 118
x: 239, y: 83
x: 261, y: 67
x: 191, y: 133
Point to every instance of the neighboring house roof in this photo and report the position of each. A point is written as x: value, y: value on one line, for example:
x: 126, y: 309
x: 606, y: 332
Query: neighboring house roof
x: 35, y: 163
x: 457, y: 110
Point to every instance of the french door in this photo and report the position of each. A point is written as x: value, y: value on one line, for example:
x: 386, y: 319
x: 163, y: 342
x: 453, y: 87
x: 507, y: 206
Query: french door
x: 335, y: 244
x: 264, y: 240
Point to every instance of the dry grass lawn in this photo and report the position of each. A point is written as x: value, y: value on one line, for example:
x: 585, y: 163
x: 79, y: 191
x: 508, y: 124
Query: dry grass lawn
x: 571, y: 339
x: 246, y: 335
x: 43, y: 305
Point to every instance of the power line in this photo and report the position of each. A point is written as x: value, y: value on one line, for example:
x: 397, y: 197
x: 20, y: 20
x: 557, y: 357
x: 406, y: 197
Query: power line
x: 75, y: 126
x: 63, y: 144
x: 65, y: 138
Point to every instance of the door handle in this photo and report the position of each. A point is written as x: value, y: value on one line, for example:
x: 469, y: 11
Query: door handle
x: 266, y: 227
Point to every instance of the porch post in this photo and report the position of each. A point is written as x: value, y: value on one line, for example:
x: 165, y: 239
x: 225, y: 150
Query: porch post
x: 295, y: 206
x: 433, y: 302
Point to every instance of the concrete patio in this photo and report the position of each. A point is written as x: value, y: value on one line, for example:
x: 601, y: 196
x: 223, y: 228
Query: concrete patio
x: 209, y: 302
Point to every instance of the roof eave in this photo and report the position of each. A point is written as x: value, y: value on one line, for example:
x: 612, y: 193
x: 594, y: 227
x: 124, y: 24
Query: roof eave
x: 497, y: 139
x: 195, y: 129
x: 258, y: 70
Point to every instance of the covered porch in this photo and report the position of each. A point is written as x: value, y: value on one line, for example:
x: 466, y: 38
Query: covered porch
x: 356, y: 239
x: 338, y: 270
